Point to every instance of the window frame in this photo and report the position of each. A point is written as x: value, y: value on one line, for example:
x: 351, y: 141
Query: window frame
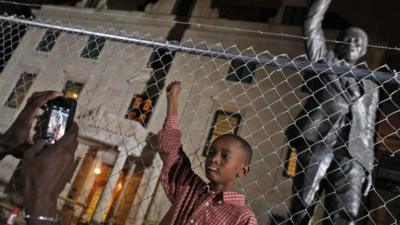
x: 147, y: 113
x: 227, y: 114
x: 70, y: 83
x: 20, y: 84
x: 93, y: 48
x: 48, y: 40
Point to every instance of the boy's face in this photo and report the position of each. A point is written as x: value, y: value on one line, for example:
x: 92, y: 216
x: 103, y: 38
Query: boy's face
x: 225, y: 161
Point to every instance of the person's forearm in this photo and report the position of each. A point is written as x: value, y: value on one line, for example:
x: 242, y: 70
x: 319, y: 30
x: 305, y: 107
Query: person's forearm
x: 35, y: 207
x: 172, y: 108
x: 170, y: 134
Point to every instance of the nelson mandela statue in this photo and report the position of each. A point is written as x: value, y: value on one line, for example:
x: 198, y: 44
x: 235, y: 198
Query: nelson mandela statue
x: 334, y: 134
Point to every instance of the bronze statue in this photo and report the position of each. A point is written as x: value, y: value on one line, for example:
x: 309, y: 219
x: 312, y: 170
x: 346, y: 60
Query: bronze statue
x: 334, y: 134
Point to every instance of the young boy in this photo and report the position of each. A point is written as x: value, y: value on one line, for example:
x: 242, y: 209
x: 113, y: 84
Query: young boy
x: 193, y: 200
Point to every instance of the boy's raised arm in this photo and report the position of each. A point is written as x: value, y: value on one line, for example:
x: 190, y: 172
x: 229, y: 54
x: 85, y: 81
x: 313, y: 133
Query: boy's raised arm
x: 170, y: 134
x: 170, y: 141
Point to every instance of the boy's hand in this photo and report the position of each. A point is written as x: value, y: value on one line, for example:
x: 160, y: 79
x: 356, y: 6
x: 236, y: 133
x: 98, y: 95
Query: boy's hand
x: 174, y: 89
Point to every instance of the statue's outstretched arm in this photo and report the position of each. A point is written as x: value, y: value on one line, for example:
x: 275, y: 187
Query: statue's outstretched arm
x: 315, y: 43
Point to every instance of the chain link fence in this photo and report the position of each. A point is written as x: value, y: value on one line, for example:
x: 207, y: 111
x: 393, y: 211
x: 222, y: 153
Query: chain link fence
x: 119, y: 82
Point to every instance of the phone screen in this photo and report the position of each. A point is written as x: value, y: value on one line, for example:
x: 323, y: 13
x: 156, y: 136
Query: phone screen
x: 57, y: 123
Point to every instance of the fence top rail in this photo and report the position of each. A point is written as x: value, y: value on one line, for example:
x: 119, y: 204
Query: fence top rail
x: 282, y: 61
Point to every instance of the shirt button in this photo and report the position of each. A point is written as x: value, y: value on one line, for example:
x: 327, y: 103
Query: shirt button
x: 191, y: 221
x: 207, y: 204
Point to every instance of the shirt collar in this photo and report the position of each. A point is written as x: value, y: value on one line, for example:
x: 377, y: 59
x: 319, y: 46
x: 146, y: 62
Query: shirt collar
x: 235, y: 198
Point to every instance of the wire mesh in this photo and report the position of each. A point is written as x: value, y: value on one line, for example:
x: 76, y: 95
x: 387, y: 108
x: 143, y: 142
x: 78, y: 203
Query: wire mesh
x: 119, y: 81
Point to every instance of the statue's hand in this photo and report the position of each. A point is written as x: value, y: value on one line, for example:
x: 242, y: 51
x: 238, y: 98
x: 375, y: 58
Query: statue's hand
x: 368, y: 185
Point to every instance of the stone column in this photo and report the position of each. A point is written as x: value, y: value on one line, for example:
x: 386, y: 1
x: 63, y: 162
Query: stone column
x: 109, y: 188
x: 80, y: 152
x: 144, y: 196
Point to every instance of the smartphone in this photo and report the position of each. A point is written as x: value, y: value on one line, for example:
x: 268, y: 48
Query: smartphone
x: 58, y: 117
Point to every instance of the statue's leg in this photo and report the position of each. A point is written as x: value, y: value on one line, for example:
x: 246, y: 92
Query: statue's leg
x: 345, y: 185
x: 313, y: 164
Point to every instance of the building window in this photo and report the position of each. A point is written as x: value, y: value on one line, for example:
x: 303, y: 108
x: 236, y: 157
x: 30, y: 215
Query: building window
x: 10, y: 35
x: 93, y: 47
x: 73, y: 89
x: 48, y: 41
x: 21, y: 89
x: 223, y: 123
x: 91, y: 3
x: 140, y: 109
x: 241, y: 71
x: 294, y: 15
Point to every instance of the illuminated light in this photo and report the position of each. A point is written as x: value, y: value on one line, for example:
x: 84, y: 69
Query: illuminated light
x: 97, y: 170
x: 71, y: 94
x: 119, y: 186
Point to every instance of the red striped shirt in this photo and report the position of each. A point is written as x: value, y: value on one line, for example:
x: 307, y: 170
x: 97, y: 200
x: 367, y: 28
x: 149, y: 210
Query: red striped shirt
x: 192, y: 201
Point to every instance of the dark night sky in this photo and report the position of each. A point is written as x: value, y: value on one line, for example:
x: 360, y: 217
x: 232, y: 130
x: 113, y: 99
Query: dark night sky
x: 378, y: 17
x: 381, y: 18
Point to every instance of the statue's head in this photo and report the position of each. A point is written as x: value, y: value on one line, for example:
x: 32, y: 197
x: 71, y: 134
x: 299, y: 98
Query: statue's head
x: 355, y: 46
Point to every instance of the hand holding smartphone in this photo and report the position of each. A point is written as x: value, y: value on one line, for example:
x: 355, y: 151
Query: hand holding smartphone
x: 58, y: 117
